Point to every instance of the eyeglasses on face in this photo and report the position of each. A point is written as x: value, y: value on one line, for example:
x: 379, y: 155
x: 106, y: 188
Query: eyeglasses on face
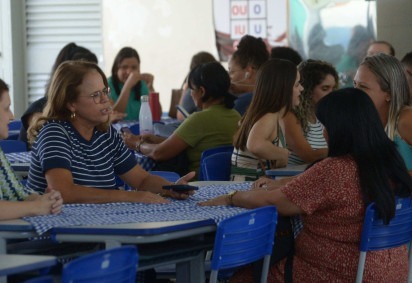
x: 98, y: 95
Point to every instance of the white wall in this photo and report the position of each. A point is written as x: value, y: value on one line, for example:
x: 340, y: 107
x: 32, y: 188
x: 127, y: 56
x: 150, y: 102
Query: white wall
x: 394, y: 24
x: 166, y: 33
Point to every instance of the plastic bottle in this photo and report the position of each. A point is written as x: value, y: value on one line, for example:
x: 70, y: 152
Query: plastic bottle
x: 145, y: 116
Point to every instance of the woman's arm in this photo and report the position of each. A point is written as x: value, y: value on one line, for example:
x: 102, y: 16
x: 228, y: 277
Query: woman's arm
x: 297, y: 142
x: 121, y: 103
x: 167, y: 149
x: 257, y: 198
x: 260, y: 139
x: 49, y: 203
x: 62, y: 180
x: 142, y: 180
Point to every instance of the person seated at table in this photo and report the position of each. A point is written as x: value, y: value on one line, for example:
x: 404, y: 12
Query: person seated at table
x: 363, y: 166
x: 213, y: 126
x: 186, y: 101
x: 251, y: 53
x: 382, y: 77
x: 258, y: 143
x: 15, y: 200
x: 127, y: 84
x: 70, y: 51
x: 78, y: 153
x: 303, y: 131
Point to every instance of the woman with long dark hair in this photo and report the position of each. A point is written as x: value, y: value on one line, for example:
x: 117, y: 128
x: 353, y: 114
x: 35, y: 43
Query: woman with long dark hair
x: 363, y: 166
x: 259, y: 143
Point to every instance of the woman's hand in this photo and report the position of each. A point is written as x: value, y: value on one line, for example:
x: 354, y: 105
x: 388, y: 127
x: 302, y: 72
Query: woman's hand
x: 131, y: 141
x: 186, y: 178
x: 133, y: 78
x: 149, y: 197
x: 116, y: 116
x: 220, y: 200
x: 49, y: 203
x: 183, y: 181
x: 262, y: 182
x: 148, y: 79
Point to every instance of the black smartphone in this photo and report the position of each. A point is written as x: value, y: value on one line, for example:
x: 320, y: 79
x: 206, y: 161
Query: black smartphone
x: 125, y: 130
x: 180, y: 188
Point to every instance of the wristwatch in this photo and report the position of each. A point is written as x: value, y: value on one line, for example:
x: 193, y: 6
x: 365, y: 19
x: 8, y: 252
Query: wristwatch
x: 230, y: 197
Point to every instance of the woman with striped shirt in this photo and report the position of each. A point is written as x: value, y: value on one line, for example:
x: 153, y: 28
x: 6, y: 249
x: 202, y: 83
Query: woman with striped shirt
x: 303, y: 131
x: 78, y: 153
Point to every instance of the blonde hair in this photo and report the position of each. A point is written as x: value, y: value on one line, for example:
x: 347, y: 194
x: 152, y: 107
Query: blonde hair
x: 391, y: 78
x: 64, y: 89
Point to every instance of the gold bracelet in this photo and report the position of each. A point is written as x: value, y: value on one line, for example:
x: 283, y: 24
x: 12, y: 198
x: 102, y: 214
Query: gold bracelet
x: 139, y: 144
x: 230, y: 197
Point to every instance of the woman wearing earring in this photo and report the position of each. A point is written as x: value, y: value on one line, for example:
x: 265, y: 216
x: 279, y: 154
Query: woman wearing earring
x: 382, y: 77
x: 76, y: 151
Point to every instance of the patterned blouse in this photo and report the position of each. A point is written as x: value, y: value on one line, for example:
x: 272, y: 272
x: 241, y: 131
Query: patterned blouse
x: 11, y: 188
x: 327, y: 249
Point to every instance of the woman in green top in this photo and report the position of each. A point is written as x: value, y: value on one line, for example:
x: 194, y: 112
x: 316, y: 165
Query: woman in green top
x: 12, y: 193
x: 213, y: 126
x: 127, y: 84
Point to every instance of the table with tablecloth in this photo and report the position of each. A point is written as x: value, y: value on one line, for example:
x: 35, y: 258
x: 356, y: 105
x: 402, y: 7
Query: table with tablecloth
x: 114, y: 213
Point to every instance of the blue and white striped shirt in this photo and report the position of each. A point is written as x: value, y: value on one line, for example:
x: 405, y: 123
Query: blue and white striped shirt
x: 93, y: 163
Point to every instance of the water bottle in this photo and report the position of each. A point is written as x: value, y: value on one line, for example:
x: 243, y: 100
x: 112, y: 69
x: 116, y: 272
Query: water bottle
x: 145, y: 116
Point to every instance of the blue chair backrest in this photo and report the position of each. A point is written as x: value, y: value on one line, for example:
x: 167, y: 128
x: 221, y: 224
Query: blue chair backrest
x: 244, y: 238
x: 377, y: 236
x: 216, y: 167
x: 168, y: 175
x: 15, y: 125
x: 113, y: 265
x: 210, y: 151
x: 9, y: 146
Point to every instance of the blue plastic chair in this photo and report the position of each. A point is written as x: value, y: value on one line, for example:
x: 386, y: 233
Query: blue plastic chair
x: 14, y: 129
x: 168, y: 175
x: 216, y: 167
x: 135, y: 129
x: 377, y: 236
x: 41, y: 279
x: 244, y: 238
x: 210, y: 151
x: 9, y: 146
x: 113, y: 265
x: 15, y: 125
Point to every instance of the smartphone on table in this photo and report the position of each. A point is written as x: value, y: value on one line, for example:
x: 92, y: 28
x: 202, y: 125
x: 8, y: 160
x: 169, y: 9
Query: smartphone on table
x: 180, y: 188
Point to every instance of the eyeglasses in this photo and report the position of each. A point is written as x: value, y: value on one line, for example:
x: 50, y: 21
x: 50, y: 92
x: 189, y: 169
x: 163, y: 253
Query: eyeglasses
x: 98, y: 95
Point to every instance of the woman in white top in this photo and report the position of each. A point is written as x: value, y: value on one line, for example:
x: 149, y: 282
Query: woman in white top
x: 303, y: 131
x: 258, y: 143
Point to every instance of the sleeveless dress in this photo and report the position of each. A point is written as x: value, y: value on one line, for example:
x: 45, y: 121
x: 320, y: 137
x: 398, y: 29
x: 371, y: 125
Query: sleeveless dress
x: 247, y: 167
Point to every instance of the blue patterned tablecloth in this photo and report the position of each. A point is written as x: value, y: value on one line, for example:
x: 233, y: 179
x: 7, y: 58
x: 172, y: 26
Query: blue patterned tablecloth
x: 121, y: 124
x: 115, y: 213
x: 20, y: 161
